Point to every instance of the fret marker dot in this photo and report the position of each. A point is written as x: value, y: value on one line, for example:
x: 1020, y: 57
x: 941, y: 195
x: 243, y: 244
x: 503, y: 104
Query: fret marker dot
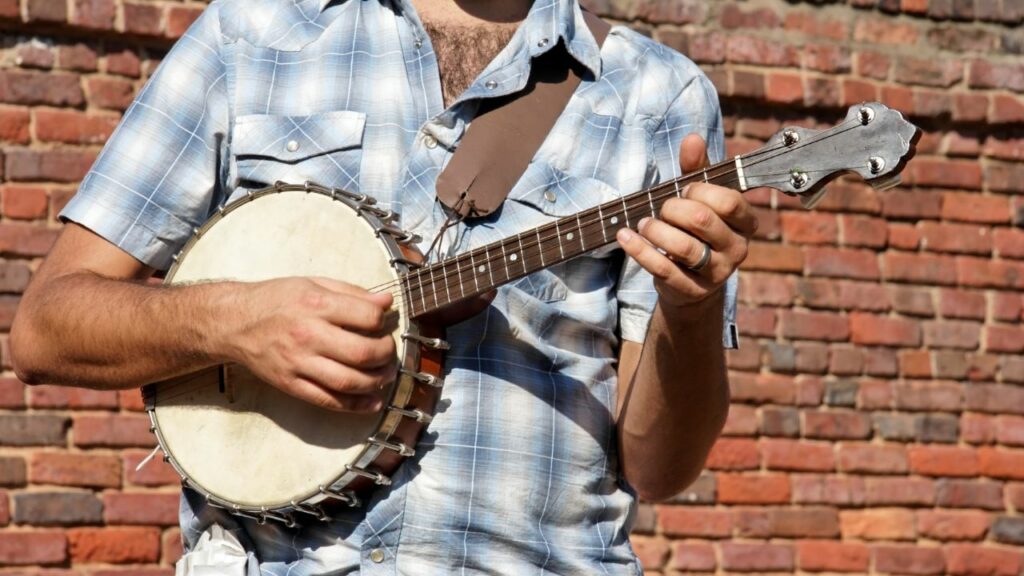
x: 481, y: 268
x: 568, y: 236
x: 615, y: 220
x: 514, y: 257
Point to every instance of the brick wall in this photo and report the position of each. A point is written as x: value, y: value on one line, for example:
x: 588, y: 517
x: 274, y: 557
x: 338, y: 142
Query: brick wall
x: 878, y: 415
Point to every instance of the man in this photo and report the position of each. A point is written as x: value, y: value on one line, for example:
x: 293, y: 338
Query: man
x: 577, y: 389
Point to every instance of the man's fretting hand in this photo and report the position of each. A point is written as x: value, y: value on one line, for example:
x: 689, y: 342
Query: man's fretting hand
x: 320, y: 340
x: 704, y: 214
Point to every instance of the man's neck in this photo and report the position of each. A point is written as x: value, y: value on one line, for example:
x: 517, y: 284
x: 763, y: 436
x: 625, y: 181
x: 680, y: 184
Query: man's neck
x: 473, y: 12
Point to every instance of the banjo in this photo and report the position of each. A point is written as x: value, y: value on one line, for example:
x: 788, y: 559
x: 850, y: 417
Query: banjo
x: 259, y: 453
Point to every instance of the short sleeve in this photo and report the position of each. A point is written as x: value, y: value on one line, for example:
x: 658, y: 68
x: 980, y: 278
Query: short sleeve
x: 157, y: 176
x: 695, y: 110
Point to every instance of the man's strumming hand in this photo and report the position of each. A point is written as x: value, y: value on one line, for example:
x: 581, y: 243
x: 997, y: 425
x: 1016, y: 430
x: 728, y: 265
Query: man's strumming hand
x: 704, y: 214
x: 323, y: 341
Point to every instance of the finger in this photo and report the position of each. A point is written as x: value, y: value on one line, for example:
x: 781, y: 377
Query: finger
x: 338, y: 378
x: 355, y: 350
x: 383, y: 299
x: 659, y: 265
x: 352, y: 312
x: 700, y: 220
x: 730, y: 205
x: 693, y: 154
x: 316, y: 395
x: 685, y: 250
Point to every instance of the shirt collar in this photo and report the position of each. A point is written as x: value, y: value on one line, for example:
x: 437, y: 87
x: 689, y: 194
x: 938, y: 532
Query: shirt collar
x: 548, y: 22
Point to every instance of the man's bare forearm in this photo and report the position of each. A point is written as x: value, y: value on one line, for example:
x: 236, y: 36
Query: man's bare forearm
x: 83, y: 329
x: 677, y: 400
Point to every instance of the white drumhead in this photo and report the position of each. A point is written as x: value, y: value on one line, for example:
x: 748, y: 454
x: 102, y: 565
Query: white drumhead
x: 253, y: 445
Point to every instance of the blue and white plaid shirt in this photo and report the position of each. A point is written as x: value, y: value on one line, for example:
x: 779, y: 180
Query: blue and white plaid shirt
x: 518, y: 473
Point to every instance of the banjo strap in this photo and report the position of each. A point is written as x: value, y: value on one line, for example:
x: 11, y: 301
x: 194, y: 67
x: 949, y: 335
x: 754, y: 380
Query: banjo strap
x: 507, y: 132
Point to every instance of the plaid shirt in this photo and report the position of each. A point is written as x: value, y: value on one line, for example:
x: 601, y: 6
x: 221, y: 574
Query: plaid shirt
x: 518, y: 473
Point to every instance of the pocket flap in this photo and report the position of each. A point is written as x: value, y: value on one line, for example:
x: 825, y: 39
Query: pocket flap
x: 292, y: 138
x: 554, y: 192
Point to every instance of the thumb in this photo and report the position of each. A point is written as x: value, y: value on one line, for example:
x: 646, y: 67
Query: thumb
x: 693, y: 154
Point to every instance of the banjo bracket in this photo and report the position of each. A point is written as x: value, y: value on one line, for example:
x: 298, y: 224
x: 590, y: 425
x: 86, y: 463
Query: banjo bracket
x: 432, y: 343
x: 416, y: 414
x: 315, y: 511
x: 423, y: 377
x: 398, y: 447
x: 378, y: 478
x: 346, y: 496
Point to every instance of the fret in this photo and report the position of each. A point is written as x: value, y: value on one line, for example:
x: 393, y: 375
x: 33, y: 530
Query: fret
x: 444, y: 278
x: 650, y: 201
x: 705, y: 173
x: 540, y: 247
x: 558, y: 237
x: 423, y: 293
x: 579, y: 229
x: 458, y: 270
x: 472, y: 268
x: 504, y: 259
x: 625, y: 211
x: 489, y: 265
x: 679, y: 193
x: 433, y: 287
x: 600, y: 220
x: 526, y: 269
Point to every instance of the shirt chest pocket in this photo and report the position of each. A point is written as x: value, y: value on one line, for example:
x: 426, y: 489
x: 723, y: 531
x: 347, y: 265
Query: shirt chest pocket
x: 324, y: 148
x: 545, y: 195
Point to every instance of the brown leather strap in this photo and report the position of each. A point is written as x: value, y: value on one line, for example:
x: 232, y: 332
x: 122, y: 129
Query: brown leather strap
x: 507, y: 132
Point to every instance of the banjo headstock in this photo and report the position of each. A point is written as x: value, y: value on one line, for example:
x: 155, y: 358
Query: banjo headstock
x: 873, y: 141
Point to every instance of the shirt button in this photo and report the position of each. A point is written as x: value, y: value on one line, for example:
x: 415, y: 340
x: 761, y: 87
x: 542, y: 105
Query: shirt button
x: 550, y: 196
x: 543, y: 42
x: 430, y: 142
x: 377, y: 555
x: 491, y: 85
x: 418, y: 44
x: 292, y: 146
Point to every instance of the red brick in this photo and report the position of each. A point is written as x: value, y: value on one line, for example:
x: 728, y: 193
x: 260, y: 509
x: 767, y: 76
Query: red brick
x: 1000, y: 338
x: 1001, y: 463
x: 771, y: 289
x: 115, y: 431
x: 747, y: 84
x: 935, y: 103
x: 874, y: 394
x: 1015, y: 495
x: 941, y: 73
x: 809, y: 227
x: 973, y: 560
x: 919, y: 268
x: 969, y: 494
x: 142, y: 19
x: 984, y: 273
x: 977, y: 428
x: 1009, y: 430
x: 909, y: 560
x: 155, y: 473
x: 98, y: 14
x: 179, y: 18
x: 956, y: 238
x: 897, y: 491
x: 26, y: 240
x: 872, y: 65
x: 12, y: 393
x: 747, y: 49
x: 60, y: 165
x: 873, y: 458
x: 759, y: 489
x: 962, y: 304
x: 841, y: 263
x: 898, y: 98
x: 982, y: 367
x: 943, y: 461
x: 881, y: 31
x: 929, y: 395
x: 33, y: 548
x: 836, y: 425
x: 110, y: 93
x: 171, y: 546
x: 55, y: 11
x: 34, y: 88
x: 1009, y: 243
x: 877, y: 524
x: 814, y: 326
x: 786, y: 522
x: 734, y: 454
x: 694, y: 522
x: 834, y: 490
x: 858, y: 91
x: 863, y: 231
x: 67, y: 397
x: 968, y: 207
x: 14, y: 125
x: 24, y: 202
x: 845, y: 361
x: 911, y: 301
x: 869, y: 329
x: 774, y: 257
x: 755, y: 321
x: 114, y: 545
x: 123, y: 63
x: 815, y: 24
x: 912, y: 205
x: 67, y: 469
x: 693, y: 557
x: 953, y: 524
x: 1006, y: 109
x: 828, y: 556
x: 73, y: 127
x: 744, y: 557
x: 652, y: 552
x: 962, y: 335
x: 797, y: 456
x: 784, y: 88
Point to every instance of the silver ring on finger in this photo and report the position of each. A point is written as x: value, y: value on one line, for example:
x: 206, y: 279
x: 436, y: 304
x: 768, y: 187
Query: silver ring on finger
x: 705, y: 257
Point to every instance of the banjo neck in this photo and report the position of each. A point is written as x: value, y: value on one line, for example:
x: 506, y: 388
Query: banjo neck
x: 873, y: 142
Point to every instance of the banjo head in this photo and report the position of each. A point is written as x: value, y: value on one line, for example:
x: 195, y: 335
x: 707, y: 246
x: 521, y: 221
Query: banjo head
x: 240, y: 441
